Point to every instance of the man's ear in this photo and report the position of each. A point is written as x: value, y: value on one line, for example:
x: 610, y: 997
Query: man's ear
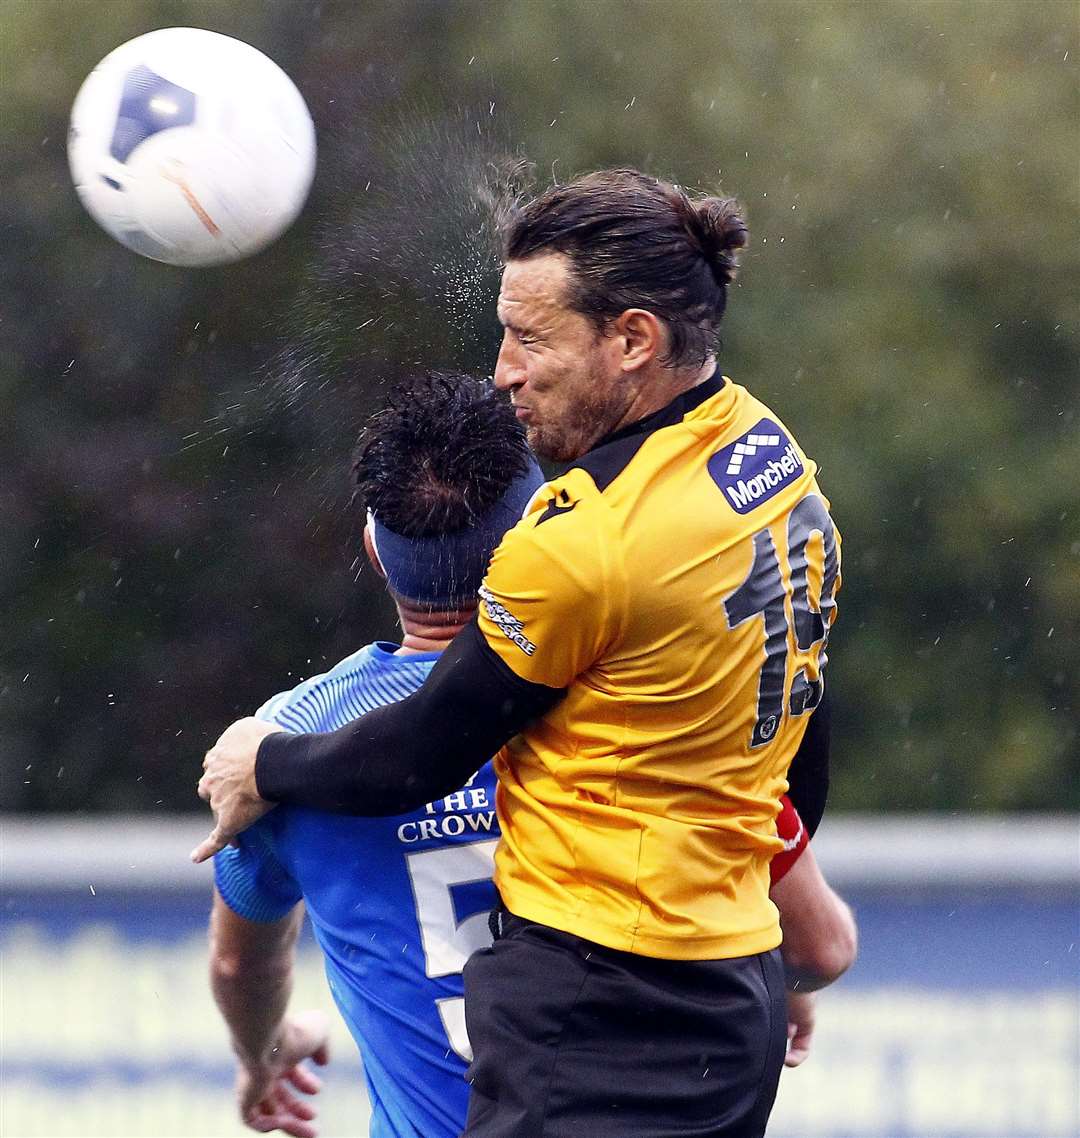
x: 642, y: 337
x: 372, y: 555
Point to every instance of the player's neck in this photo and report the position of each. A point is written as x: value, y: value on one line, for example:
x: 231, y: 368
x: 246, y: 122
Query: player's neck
x: 657, y: 386
x: 415, y: 645
x: 426, y: 631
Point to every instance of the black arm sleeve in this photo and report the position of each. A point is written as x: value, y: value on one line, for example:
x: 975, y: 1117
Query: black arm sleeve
x: 808, y: 775
x: 398, y: 757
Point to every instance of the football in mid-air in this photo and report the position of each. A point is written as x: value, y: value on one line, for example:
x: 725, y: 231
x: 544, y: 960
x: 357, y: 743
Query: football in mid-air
x: 191, y: 147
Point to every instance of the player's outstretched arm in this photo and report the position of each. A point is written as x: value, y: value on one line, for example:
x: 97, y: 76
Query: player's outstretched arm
x: 389, y: 761
x: 228, y: 783
x: 251, y: 966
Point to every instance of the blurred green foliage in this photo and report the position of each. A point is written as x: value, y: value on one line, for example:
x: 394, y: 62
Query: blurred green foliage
x: 176, y: 537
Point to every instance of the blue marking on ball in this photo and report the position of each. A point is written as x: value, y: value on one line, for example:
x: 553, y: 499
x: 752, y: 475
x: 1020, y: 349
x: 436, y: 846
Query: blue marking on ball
x: 148, y: 105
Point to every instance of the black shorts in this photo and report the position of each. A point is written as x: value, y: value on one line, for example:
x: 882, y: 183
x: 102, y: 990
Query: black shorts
x: 574, y: 1040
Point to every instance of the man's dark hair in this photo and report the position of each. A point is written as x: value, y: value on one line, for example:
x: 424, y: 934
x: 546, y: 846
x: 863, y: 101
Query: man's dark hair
x: 637, y: 242
x: 444, y: 449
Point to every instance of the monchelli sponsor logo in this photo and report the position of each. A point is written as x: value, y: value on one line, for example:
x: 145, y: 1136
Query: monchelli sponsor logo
x: 756, y: 467
x: 508, y: 624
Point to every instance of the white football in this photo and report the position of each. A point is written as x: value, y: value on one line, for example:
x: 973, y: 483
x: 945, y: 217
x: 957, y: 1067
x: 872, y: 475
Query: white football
x: 191, y: 147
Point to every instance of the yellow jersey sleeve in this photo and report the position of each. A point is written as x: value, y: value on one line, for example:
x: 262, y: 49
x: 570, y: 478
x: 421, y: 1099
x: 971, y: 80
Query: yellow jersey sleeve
x: 553, y: 598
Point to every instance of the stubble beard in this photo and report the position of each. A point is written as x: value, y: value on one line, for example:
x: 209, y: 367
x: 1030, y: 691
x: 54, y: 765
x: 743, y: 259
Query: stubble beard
x: 580, y: 426
x: 551, y: 443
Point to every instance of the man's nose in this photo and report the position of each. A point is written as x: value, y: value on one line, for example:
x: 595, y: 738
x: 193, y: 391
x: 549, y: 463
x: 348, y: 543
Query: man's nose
x: 509, y: 367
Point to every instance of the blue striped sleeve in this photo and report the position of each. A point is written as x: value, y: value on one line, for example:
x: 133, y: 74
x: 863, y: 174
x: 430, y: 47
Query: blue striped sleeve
x: 251, y: 879
x: 270, y: 710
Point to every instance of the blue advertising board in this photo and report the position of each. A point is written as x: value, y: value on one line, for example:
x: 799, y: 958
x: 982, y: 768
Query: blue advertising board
x: 960, y: 1020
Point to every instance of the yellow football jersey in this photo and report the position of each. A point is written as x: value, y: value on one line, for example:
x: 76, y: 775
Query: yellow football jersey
x: 679, y: 580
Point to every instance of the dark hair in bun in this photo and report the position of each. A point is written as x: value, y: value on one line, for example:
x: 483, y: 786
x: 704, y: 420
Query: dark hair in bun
x: 719, y: 229
x: 638, y: 242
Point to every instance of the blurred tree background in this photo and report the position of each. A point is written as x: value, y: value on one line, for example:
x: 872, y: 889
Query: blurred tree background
x: 176, y: 537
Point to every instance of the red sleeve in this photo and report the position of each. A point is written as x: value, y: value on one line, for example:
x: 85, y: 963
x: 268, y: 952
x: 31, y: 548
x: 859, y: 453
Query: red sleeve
x: 791, y: 831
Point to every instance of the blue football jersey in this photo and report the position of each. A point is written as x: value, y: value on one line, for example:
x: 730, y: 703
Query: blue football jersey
x: 397, y: 904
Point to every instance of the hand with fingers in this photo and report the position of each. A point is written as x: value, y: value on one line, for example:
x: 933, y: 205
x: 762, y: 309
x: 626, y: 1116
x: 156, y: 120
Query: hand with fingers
x: 800, y: 1030
x: 228, y: 784
x: 266, y: 1092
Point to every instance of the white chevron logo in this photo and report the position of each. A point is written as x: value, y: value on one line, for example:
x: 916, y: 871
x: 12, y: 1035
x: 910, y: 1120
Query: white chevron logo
x: 748, y: 447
